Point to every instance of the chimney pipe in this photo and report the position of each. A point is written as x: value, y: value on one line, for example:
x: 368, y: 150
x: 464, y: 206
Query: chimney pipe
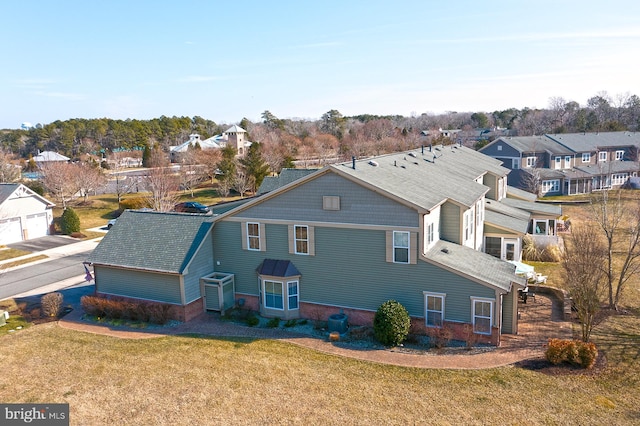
x: 353, y: 162
x: 422, y: 149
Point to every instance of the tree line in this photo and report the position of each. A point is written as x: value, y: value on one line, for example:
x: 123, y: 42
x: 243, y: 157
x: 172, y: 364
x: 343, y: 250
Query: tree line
x: 333, y: 135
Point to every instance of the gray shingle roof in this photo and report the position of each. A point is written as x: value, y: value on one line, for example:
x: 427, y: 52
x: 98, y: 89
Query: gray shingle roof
x: 513, y: 192
x: 587, y: 142
x: 504, y: 221
x: 163, y: 242
x: 530, y: 144
x: 535, y: 208
x: 6, y: 189
x: 285, y: 177
x: 477, y: 265
x: 423, y: 181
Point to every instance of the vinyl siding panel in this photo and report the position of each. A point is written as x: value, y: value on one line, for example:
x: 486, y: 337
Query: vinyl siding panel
x: 450, y: 228
x: 348, y: 270
x: 138, y: 284
x: 201, y: 265
x: 506, y: 151
x: 492, y: 182
x: 357, y: 205
x: 508, y: 325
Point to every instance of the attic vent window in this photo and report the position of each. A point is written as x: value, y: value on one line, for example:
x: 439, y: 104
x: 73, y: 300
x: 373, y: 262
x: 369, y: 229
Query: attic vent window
x: 331, y: 202
x: 373, y: 163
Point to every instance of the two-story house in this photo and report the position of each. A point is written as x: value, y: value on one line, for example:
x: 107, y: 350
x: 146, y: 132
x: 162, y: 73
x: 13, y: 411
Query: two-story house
x: 568, y: 164
x: 411, y: 226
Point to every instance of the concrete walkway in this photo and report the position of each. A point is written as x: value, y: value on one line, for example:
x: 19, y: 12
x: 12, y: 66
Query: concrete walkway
x: 540, y: 320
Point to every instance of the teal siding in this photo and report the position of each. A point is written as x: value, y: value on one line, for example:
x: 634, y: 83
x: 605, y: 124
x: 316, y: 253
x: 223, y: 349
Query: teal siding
x: 507, y: 313
x: 357, y: 205
x: 450, y: 223
x: 348, y: 270
x: 201, y: 265
x: 138, y: 284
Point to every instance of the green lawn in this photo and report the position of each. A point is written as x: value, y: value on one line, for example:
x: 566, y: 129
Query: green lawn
x: 202, y: 381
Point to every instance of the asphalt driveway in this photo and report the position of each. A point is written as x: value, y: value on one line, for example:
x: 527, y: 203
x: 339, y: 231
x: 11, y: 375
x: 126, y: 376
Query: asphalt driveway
x: 43, y: 243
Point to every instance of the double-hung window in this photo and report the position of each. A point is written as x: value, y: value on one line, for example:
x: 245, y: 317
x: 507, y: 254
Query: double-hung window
x: 253, y: 236
x: 434, y: 309
x: 602, y: 156
x: 301, y: 239
x: 531, y: 161
x: 400, y: 247
x: 619, y: 155
x: 586, y: 157
x: 482, y: 315
x: 292, y: 294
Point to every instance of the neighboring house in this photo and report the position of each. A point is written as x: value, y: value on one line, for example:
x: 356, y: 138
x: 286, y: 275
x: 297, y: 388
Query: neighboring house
x: 568, y: 164
x: 49, y: 157
x: 154, y: 256
x: 24, y: 214
x: 285, y: 177
x: 234, y: 136
x: 411, y: 226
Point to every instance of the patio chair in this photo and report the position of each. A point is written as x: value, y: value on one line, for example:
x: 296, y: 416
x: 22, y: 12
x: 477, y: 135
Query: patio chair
x: 541, y: 279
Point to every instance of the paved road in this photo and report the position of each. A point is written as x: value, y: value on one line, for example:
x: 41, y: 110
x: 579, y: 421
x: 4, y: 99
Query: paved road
x: 41, y: 274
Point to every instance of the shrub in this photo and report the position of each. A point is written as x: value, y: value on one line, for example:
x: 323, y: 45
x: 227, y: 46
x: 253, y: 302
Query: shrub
x: 51, y: 304
x: 574, y: 352
x: 391, y: 323
x: 252, y: 320
x: 133, y: 203
x: 440, y: 337
x: 291, y: 323
x: 117, y: 309
x: 273, y: 322
x: 587, y: 355
x: 70, y: 222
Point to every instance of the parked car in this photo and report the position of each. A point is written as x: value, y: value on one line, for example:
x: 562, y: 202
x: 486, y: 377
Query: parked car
x: 191, y: 207
x: 111, y: 223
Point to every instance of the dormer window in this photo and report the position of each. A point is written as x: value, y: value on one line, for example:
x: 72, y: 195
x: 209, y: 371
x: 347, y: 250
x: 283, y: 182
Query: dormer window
x: 531, y: 161
x: 602, y: 156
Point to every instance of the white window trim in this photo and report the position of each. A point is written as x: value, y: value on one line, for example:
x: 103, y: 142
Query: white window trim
x: 586, y: 157
x: 264, y: 292
x: 250, y: 237
x: 473, y: 313
x: 296, y: 239
x: 428, y: 294
x: 551, y: 185
x: 297, y: 295
x: 558, y: 162
x: 531, y: 162
x: 602, y: 156
x: 619, y: 155
x: 408, y: 247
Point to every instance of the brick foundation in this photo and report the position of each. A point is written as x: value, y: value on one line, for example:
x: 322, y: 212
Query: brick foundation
x: 181, y: 313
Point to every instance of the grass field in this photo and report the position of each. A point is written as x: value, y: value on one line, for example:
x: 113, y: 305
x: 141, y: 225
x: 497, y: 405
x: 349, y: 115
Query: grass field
x: 203, y: 381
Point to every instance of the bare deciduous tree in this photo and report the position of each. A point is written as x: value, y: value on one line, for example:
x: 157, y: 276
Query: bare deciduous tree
x: 243, y: 182
x: 9, y: 172
x: 531, y: 180
x: 88, y: 179
x: 583, y: 261
x: 162, y: 183
x: 59, y: 179
x: 619, y: 221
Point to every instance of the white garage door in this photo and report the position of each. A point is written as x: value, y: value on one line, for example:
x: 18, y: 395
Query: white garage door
x: 10, y: 230
x: 37, y: 225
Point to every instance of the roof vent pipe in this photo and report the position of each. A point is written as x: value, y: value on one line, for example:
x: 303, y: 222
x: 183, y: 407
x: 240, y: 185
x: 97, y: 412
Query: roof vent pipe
x: 430, y: 146
x: 353, y: 162
x: 422, y: 152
